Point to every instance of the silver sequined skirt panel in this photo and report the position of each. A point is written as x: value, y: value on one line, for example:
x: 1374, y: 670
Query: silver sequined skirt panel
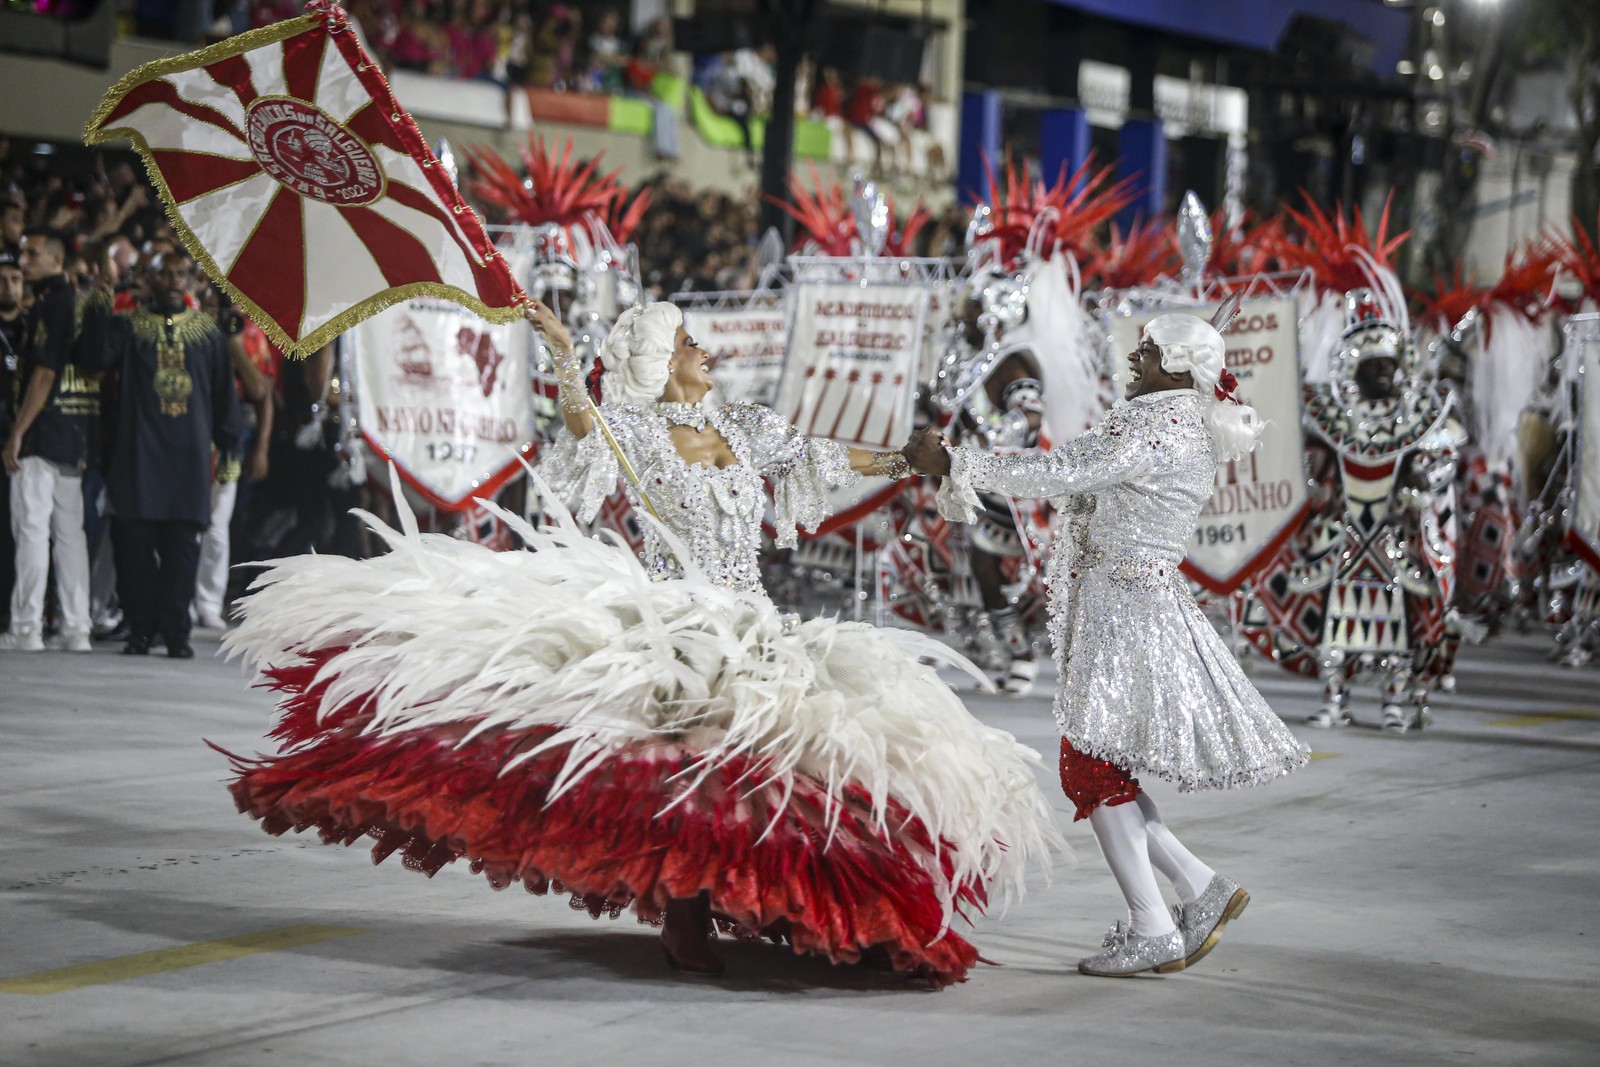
x: 1149, y: 685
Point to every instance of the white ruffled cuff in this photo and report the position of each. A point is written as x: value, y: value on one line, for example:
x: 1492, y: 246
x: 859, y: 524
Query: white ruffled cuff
x: 957, y: 498
x: 800, y: 494
x: 581, y: 472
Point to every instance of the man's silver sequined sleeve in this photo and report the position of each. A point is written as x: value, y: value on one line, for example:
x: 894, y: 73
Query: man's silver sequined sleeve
x: 1115, y: 451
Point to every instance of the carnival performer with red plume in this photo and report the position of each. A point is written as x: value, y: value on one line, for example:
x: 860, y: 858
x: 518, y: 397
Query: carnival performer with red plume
x: 1021, y: 373
x: 1147, y: 686
x: 652, y: 737
x: 1367, y: 586
x: 1381, y: 552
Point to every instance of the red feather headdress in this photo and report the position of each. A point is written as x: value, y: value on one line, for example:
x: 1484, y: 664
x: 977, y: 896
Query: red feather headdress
x: 1145, y: 254
x: 1326, y: 244
x: 828, y: 223
x: 1578, y: 256
x: 558, y: 189
x: 1067, y: 213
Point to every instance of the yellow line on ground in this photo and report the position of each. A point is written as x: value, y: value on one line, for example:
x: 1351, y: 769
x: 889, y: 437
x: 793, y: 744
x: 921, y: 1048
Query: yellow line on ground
x: 1323, y: 755
x: 1545, y: 718
x: 142, y: 964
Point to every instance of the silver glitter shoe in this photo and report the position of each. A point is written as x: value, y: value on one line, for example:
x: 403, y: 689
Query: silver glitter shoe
x: 1128, y: 954
x: 1202, y: 922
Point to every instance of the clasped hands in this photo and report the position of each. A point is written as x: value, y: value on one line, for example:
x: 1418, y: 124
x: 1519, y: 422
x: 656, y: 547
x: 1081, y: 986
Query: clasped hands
x: 926, y: 452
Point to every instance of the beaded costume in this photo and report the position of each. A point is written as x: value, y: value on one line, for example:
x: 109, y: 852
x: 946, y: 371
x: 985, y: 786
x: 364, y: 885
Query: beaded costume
x: 1381, y: 554
x: 1146, y: 683
x: 715, y: 511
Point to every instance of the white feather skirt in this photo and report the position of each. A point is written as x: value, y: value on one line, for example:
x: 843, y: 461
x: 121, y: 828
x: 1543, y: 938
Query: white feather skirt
x: 559, y: 719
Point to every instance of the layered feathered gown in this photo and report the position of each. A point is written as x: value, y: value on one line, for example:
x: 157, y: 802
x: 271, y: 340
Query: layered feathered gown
x: 557, y: 719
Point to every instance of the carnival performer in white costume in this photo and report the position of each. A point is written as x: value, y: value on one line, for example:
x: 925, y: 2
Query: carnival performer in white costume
x: 1147, y: 686
x: 676, y: 747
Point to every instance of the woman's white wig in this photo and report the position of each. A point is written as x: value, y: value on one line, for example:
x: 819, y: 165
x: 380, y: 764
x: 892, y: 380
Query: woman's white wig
x: 1190, y: 343
x: 636, y: 352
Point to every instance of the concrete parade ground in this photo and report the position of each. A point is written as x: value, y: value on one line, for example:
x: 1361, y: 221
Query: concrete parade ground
x: 1417, y: 900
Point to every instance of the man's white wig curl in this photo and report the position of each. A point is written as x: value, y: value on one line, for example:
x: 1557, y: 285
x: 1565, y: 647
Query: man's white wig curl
x: 1190, y: 343
x: 636, y: 352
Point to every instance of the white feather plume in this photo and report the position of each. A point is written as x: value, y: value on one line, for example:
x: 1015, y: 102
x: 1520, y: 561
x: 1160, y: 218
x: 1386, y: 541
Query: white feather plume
x: 1506, y: 372
x: 574, y: 636
x: 1061, y: 334
x: 1321, y: 326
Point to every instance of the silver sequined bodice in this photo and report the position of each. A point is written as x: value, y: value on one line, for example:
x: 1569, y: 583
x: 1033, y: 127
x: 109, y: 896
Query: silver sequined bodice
x: 716, y: 512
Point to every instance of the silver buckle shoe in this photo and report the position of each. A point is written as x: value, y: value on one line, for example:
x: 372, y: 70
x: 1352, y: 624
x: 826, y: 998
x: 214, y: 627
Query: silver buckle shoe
x: 1128, y: 954
x: 1201, y: 922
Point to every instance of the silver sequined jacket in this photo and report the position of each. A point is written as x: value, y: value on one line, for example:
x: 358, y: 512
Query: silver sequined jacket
x: 716, y: 512
x: 1145, y: 681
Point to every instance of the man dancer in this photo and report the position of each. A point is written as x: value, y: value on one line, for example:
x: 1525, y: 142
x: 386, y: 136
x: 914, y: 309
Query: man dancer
x: 1381, y: 548
x: 1147, y: 686
x: 996, y: 402
x: 175, y: 400
x: 51, y: 441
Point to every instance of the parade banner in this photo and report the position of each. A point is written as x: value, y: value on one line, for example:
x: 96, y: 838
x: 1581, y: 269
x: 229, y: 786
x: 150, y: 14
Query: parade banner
x: 299, y: 185
x: 746, y: 345
x: 1260, y: 500
x: 853, y: 356
x: 446, y: 397
x: 851, y: 375
x: 1583, y: 346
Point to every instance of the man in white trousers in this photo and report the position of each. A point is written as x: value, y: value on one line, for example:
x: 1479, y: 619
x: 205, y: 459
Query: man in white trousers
x: 52, y: 441
x: 255, y: 387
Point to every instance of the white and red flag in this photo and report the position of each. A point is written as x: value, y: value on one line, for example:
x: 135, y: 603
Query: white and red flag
x: 300, y: 185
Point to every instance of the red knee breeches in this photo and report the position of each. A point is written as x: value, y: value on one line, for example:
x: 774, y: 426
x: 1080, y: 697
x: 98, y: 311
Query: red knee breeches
x: 1090, y: 782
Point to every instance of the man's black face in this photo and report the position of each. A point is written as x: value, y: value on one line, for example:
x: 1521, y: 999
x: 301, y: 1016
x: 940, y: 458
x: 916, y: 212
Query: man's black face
x: 174, y: 281
x: 1375, y: 377
x: 10, y: 289
x: 970, y: 328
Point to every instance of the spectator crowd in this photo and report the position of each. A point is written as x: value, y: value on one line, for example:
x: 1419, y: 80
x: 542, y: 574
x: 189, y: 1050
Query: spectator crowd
x: 152, y: 436
x: 576, y: 47
x: 149, y: 433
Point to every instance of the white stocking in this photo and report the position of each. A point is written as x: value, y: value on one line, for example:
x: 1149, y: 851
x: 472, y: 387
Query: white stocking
x: 1120, y: 830
x: 1186, y: 873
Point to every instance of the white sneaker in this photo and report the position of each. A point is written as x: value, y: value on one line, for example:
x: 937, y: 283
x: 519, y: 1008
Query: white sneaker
x: 1395, y: 719
x: 1330, y: 716
x: 206, y: 619
x: 1019, y: 680
x: 69, y: 643
x: 21, y: 641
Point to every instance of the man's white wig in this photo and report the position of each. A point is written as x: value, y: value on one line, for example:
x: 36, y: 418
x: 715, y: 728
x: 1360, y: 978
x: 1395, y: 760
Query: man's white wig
x: 636, y: 352
x: 1190, y: 343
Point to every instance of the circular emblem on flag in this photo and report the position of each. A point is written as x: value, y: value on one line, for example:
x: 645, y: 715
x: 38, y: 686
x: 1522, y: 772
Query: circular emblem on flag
x: 303, y: 148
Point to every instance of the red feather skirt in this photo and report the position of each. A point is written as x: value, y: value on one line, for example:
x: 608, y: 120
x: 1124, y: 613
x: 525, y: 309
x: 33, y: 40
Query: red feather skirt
x: 641, y: 829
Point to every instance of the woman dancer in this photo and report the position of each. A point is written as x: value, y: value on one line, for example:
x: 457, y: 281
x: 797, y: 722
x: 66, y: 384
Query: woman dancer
x: 676, y: 747
x: 698, y: 464
x: 1147, y: 686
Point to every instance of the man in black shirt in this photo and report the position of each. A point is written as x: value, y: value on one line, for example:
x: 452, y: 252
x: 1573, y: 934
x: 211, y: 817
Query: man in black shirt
x: 174, y: 401
x: 51, y: 441
x: 11, y: 289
